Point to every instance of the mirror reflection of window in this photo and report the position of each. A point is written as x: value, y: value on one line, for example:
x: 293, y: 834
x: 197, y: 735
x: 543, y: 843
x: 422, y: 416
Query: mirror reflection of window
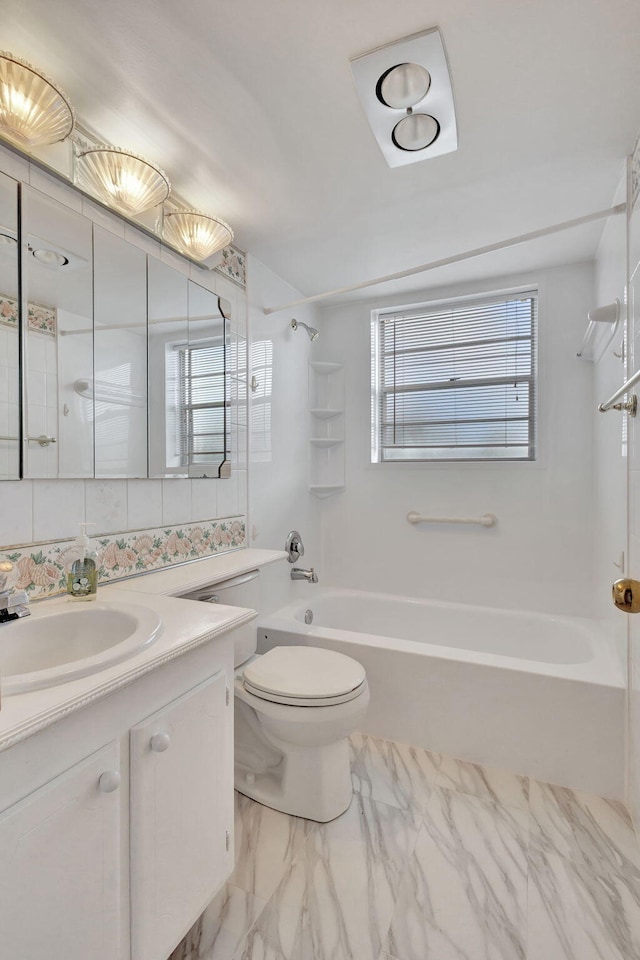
x: 188, y: 410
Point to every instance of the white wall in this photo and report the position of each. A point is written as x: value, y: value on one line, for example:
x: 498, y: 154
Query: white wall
x: 278, y: 426
x: 539, y: 557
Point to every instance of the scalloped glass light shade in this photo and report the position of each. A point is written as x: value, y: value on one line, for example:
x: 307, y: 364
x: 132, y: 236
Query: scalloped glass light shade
x: 122, y: 180
x: 196, y: 234
x: 33, y: 112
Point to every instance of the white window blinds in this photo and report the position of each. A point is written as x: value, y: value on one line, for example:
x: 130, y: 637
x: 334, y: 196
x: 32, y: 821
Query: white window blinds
x: 455, y: 381
x: 201, y: 403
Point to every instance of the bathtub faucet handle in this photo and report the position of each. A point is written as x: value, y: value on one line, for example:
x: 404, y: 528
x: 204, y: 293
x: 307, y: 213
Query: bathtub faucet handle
x: 294, y: 546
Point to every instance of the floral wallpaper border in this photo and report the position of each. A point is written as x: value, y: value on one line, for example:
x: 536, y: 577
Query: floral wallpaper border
x: 233, y: 265
x: 42, y: 319
x: 42, y: 567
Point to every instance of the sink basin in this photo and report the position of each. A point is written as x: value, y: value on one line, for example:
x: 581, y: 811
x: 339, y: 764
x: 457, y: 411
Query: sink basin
x: 72, y: 641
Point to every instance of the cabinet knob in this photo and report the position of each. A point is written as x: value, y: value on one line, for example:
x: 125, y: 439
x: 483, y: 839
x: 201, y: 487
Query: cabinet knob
x: 109, y: 781
x: 160, y: 742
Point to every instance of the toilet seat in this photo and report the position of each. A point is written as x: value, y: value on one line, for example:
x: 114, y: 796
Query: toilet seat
x: 304, y: 676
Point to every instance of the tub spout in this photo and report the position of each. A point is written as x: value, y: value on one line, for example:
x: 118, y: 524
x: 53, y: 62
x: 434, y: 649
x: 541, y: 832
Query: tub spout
x: 298, y: 573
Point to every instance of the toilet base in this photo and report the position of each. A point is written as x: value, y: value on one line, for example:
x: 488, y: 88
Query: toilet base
x: 314, y: 783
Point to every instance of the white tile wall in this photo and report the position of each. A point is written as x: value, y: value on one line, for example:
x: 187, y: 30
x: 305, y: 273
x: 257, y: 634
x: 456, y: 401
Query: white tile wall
x: 17, y: 512
x: 176, y: 501
x: 106, y: 506
x: 204, y: 499
x: 144, y: 499
x: 58, y: 506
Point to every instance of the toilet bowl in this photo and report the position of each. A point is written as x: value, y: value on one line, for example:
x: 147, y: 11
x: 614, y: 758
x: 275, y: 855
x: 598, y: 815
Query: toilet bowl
x: 291, y: 747
x: 295, y: 707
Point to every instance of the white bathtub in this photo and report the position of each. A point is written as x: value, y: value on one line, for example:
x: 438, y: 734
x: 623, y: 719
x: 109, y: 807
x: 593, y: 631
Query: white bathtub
x: 541, y: 695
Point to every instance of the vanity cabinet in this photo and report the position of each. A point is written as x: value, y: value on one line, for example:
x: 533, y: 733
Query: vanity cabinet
x: 116, y: 822
x: 178, y: 781
x: 60, y: 865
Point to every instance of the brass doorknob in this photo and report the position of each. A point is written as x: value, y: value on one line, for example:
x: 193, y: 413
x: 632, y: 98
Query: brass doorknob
x: 626, y: 595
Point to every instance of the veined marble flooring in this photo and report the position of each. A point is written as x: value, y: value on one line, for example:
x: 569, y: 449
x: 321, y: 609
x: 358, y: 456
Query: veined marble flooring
x: 435, y: 859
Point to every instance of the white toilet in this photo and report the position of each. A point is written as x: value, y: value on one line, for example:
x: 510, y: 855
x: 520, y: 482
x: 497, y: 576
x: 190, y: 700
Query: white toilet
x: 295, y: 707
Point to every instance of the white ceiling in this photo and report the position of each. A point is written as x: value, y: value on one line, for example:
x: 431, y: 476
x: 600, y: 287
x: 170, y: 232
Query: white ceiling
x: 250, y: 107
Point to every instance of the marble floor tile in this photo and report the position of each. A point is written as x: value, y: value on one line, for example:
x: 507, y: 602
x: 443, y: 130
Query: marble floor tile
x: 380, y: 831
x: 464, y: 893
x: 485, y: 783
x: 226, y: 922
x: 356, y: 743
x: 576, y: 913
x: 395, y: 773
x: 582, y: 827
x: 266, y: 843
x: 337, y: 900
x: 255, y: 947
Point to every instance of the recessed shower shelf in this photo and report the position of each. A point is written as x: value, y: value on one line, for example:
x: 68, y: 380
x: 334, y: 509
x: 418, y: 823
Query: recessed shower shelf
x: 325, y: 442
x: 325, y: 413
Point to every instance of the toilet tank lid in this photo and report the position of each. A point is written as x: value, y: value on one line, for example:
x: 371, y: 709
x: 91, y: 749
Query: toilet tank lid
x: 304, y: 672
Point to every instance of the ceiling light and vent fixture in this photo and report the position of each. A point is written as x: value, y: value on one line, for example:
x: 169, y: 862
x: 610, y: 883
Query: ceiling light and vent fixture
x: 405, y: 89
x: 33, y: 111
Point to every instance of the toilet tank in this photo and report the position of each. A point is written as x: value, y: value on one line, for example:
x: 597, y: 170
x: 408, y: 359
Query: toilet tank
x: 242, y: 590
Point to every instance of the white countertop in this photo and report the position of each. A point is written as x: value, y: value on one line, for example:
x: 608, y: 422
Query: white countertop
x: 186, y: 625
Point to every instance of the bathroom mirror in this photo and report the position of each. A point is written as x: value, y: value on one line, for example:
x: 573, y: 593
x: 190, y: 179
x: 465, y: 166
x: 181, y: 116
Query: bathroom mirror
x: 188, y: 421
x: 168, y: 307
x: 118, y: 383
x: 123, y: 356
x: 9, y: 332
x: 202, y: 371
x: 57, y: 339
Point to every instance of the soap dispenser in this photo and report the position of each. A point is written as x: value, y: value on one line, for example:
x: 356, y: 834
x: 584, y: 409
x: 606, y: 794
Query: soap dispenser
x: 82, y: 578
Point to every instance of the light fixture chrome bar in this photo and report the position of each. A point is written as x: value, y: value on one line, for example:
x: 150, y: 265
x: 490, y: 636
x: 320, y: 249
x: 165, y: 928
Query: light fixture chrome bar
x: 630, y: 405
x: 458, y: 257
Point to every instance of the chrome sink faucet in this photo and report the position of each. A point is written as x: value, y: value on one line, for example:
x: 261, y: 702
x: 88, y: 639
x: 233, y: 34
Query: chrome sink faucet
x: 298, y: 573
x: 13, y: 604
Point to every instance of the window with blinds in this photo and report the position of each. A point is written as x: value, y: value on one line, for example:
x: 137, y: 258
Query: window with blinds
x: 201, y: 409
x: 455, y: 381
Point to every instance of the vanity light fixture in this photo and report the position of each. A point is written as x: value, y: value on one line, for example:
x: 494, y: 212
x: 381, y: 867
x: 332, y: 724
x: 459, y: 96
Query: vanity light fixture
x: 33, y: 110
x: 196, y: 234
x: 122, y: 180
x: 405, y: 89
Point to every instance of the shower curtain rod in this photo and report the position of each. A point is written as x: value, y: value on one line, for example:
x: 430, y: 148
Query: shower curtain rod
x: 457, y: 258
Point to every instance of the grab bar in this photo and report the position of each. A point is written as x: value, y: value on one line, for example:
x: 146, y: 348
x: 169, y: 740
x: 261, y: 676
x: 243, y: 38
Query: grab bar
x: 486, y: 520
x: 630, y: 405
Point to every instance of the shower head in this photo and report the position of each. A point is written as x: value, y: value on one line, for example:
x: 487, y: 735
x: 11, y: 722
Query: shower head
x: 313, y: 333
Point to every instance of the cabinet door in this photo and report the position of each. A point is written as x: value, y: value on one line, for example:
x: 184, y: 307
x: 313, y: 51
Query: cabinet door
x: 181, y: 785
x: 60, y: 866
